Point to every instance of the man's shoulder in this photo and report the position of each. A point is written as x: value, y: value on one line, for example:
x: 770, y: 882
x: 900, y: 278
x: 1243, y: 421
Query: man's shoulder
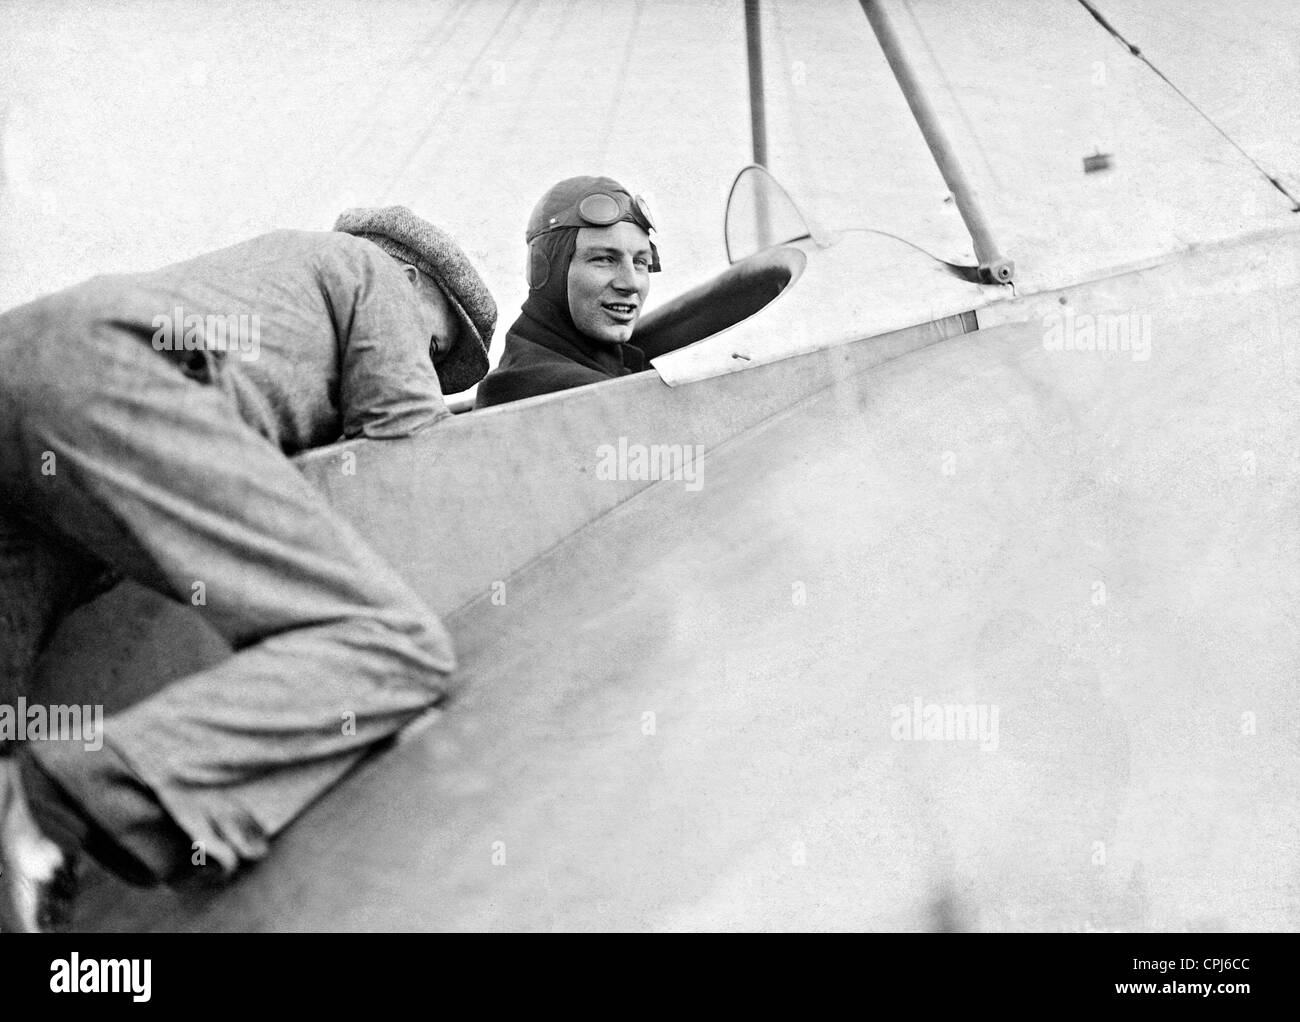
x: 292, y: 243
x: 326, y: 245
x: 521, y: 351
x: 528, y: 369
x: 282, y: 248
x: 345, y: 268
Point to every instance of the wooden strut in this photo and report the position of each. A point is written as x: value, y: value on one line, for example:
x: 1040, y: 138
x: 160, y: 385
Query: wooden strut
x: 994, y: 267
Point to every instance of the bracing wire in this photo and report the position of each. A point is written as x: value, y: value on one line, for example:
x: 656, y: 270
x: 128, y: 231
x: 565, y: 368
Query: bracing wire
x: 1271, y: 179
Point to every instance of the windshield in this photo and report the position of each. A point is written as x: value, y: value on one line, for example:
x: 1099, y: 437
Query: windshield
x: 760, y: 214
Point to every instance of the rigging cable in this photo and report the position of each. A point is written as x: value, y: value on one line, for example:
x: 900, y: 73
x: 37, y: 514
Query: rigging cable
x: 1101, y: 20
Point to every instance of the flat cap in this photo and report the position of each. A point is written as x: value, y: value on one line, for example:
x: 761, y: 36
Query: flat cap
x: 414, y: 240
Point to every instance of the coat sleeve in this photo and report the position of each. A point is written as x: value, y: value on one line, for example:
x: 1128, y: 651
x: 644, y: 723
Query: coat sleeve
x: 388, y: 385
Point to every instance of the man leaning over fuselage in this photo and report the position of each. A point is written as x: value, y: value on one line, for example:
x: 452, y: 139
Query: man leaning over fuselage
x: 121, y: 451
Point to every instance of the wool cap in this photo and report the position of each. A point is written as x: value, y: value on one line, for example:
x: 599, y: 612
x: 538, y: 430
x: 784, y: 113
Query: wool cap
x: 407, y: 237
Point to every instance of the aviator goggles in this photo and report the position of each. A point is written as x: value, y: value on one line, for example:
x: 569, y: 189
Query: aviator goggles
x: 600, y: 209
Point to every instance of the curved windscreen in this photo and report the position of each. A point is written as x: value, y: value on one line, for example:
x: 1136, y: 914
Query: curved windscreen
x: 760, y: 214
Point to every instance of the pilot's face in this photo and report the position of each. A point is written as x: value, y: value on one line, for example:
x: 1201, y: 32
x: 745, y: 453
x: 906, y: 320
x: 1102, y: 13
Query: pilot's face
x: 609, y: 279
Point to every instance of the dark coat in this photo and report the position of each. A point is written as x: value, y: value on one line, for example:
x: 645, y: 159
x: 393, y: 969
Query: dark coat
x: 532, y: 367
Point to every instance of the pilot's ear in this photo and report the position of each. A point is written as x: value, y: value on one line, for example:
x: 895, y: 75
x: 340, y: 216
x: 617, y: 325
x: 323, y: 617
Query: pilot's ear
x: 412, y: 274
x: 539, y: 267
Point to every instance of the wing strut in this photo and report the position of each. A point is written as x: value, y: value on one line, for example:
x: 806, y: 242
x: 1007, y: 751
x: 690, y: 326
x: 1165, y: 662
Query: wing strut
x: 757, y: 112
x: 994, y: 267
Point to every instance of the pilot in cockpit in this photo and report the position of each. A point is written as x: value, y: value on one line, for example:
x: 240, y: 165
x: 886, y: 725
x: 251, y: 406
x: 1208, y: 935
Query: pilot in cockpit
x: 590, y: 257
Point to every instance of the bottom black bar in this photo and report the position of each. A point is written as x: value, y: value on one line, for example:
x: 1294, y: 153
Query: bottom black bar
x: 330, y: 973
